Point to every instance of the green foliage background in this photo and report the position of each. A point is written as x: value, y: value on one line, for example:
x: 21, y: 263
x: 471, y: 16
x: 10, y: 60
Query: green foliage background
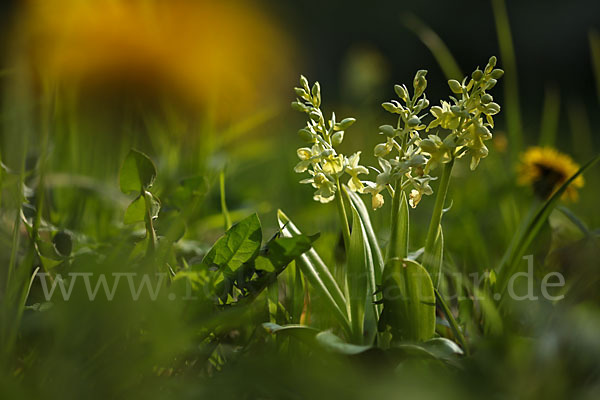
x: 61, y: 160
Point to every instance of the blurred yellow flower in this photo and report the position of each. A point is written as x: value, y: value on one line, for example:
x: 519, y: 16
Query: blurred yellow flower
x: 546, y: 169
x: 222, y: 55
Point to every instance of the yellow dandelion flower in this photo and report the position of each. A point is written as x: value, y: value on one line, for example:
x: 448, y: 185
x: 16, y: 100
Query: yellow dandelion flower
x: 227, y: 57
x: 546, y: 169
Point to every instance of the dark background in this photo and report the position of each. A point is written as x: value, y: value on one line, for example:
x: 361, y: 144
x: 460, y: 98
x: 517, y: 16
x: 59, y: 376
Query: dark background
x: 550, y: 39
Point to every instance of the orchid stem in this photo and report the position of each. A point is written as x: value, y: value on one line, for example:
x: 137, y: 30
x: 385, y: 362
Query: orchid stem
x: 436, y: 218
x: 343, y: 215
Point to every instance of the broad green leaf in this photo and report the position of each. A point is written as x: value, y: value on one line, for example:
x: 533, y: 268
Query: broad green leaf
x: 409, y: 300
x: 296, y: 290
x: 443, y: 348
x: 334, y: 344
x: 136, y: 212
x: 317, y: 274
x: 301, y: 332
x: 240, y: 244
x: 256, y: 275
x: 356, y: 275
x: 374, y: 263
x: 412, y: 350
x: 440, y: 349
x: 373, y: 243
x: 262, y: 263
x: 137, y: 173
x: 282, y: 251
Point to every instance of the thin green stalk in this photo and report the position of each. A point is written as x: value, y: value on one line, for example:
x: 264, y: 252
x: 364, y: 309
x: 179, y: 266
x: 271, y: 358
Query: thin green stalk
x: 224, y: 210
x: 15, y: 299
x: 398, y: 244
x: 392, y: 248
x: 1, y: 176
x: 436, y: 45
x: 149, y: 224
x: 16, y: 235
x: 39, y: 207
x: 511, y: 86
x: 47, y: 113
x: 343, y: 216
x: 436, y: 218
x: 550, y: 117
x: 458, y: 335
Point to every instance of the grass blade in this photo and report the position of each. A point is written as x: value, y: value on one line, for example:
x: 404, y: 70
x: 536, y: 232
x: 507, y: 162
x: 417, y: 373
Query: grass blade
x: 436, y: 45
x: 581, y: 132
x: 226, y: 216
x: 550, y: 117
x: 452, y: 321
x: 511, y: 84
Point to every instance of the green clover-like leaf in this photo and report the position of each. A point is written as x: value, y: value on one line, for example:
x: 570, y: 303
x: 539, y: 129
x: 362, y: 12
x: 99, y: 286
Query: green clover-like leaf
x: 137, y: 173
